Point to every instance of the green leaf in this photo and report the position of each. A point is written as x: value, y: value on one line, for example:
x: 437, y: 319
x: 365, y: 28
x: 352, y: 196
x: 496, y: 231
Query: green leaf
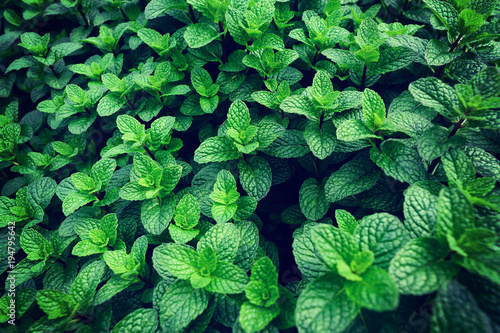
x: 312, y: 199
x: 238, y: 116
x: 227, y: 279
x: 84, y: 287
x: 346, y: 221
x: 361, y: 262
x: 83, y: 182
x: 216, y: 149
x: 156, y: 213
x: 433, y: 93
x: 187, y: 212
x: 446, y: 13
x: 254, y: 318
x: 485, y: 264
x: 455, y: 213
x: 469, y: 21
x: 458, y: 168
x: 399, y: 161
x: 377, y: 291
x: 180, y: 305
x: 480, y: 187
x: 255, y: 177
x: 102, y: 171
x: 486, y: 83
x: 373, y: 109
x: 146, y: 319
x: 323, y: 306
x: 200, y: 34
x: 392, y: 59
x: 119, y: 261
x: 321, y: 140
x: 420, y: 211
x: 354, y: 130
x: 383, y: 234
x: 130, y: 127
x: 55, y: 303
x: 437, y: 53
x: 178, y: 260
x: 224, y: 239
x: 289, y: 145
x: 456, y: 310
x: 156, y: 8
x: 435, y: 141
x: 350, y: 179
x: 75, y: 200
x: 34, y: 244
x: 109, y: 104
x: 133, y: 191
x: 299, y: 104
x: 322, y: 89
x: 419, y: 269
x: 333, y: 244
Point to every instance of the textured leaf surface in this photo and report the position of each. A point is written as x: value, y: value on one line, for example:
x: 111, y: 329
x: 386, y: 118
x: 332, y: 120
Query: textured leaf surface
x: 141, y: 320
x: 418, y: 268
x: 312, y: 199
x: 255, y: 177
x: 324, y: 306
x: 383, y: 234
x: 351, y: 178
x: 321, y: 141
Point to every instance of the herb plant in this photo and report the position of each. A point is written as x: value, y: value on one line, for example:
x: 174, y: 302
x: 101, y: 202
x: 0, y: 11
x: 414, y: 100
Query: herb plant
x: 250, y: 166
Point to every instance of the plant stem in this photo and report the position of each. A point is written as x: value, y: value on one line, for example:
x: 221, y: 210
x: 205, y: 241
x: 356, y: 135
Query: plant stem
x: 83, y: 16
x: 54, y: 71
x: 191, y: 12
x: 148, y: 151
x: 440, y: 70
x: 146, y: 281
x: 363, y: 77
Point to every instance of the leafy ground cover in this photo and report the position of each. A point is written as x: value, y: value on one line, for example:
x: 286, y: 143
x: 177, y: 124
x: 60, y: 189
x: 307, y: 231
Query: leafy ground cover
x: 250, y: 166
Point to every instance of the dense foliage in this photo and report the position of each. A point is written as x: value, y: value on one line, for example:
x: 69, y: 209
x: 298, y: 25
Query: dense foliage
x: 250, y: 166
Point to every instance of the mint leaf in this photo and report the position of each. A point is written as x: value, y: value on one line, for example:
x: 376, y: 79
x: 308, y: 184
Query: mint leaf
x: 352, y: 178
x: 373, y: 109
x: 324, y: 306
x: 216, y: 149
x: 224, y: 239
x: 435, y: 94
x: 333, y: 244
x: 312, y: 199
x: 255, y: 177
x: 55, y: 303
x: 321, y: 140
x: 200, y: 34
x: 377, y: 291
x: 156, y: 213
x: 458, y: 168
x: 383, y: 234
x: 146, y: 319
x: 420, y: 211
x: 456, y: 309
x: 175, y: 259
x: 418, y: 268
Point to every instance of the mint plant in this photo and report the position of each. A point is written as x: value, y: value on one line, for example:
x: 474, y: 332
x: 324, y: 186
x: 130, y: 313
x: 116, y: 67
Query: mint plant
x: 249, y: 166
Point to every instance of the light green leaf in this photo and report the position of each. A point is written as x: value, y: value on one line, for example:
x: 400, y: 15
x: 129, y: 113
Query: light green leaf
x: 373, y: 109
x: 377, y: 291
x: 346, y: 221
x: 109, y: 104
x: 383, y: 234
x: 227, y: 279
x: 455, y: 213
x: 75, y: 200
x: 200, y: 34
x: 156, y: 213
x: 55, y: 303
x: 354, y: 130
x: 323, y: 306
x: 254, y: 318
x: 178, y: 260
x: 216, y: 149
x: 420, y: 211
x: 437, y: 53
x: 458, y: 167
x: 333, y: 244
x: 224, y: 239
x: 180, y: 305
